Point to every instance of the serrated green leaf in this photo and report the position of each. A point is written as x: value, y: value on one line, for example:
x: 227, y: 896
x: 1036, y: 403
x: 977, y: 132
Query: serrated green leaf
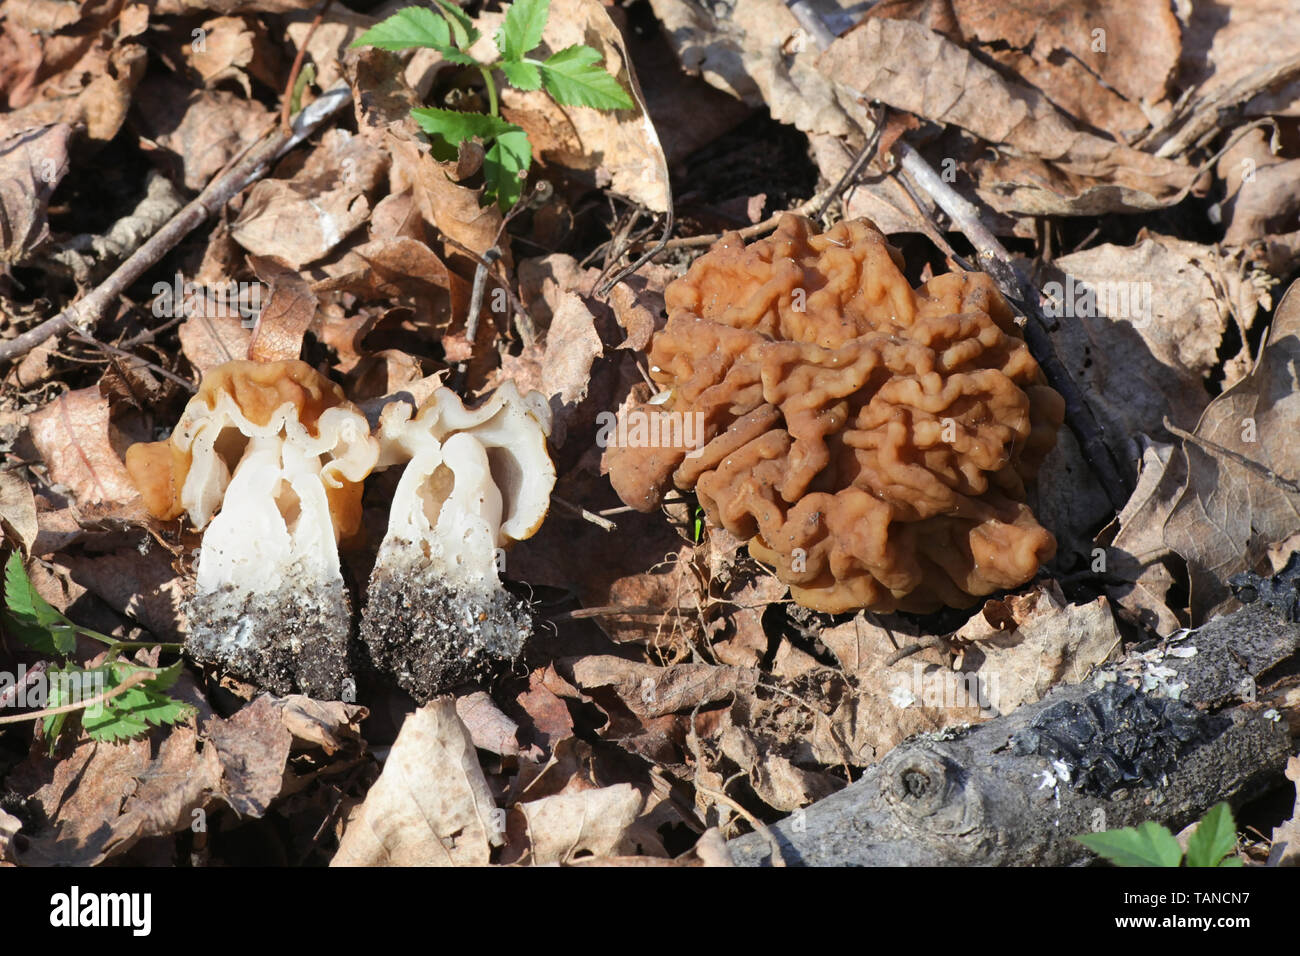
x: 522, y: 29
x: 1148, y: 845
x: 1214, y: 838
x: 455, y: 126
x: 462, y: 27
x: 505, y: 165
x: 523, y: 76
x: 34, y: 620
x: 406, y: 29
x: 572, y: 78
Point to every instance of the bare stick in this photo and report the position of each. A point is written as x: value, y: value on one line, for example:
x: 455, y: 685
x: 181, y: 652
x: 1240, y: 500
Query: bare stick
x: 83, y: 314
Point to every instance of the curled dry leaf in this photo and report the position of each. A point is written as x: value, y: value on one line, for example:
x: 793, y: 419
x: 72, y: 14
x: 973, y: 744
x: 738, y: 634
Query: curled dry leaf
x: 651, y: 691
x: 1028, y: 643
x: 1141, y: 326
x: 1228, y: 514
x: 288, y: 313
x: 431, y: 805
x: 101, y: 799
x: 757, y: 52
x: 17, y: 511
x: 203, y: 129
x: 32, y: 163
x: 302, y: 218
x: 331, y: 725
x: 490, y: 729
x: 588, y: 823
x: 72, y: 433
x: 912, y: 68
x: 93, y: 94
x: 1137, y: 555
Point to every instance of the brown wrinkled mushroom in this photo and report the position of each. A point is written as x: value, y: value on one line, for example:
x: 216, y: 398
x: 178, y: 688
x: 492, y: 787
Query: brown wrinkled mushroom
x: 871, y: 440
x: 279, y: 456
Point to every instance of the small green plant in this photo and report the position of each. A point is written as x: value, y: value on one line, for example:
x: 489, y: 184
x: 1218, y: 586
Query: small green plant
x: 125, y: 698
x: 1151, y: 844
x: 571, y: 76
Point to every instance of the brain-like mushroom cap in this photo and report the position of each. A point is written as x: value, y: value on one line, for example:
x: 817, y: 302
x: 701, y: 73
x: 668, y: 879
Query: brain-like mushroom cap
x: 871, y: 440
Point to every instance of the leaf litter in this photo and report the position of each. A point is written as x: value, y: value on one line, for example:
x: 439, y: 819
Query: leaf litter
x: 672, y: 695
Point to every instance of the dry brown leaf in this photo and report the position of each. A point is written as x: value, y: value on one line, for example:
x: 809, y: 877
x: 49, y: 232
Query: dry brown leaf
x: 101, y: 799
x: 303, y: 218
x: 757, y: 52
x: 1029, y: 643
x: 94, y: 93
x: 205, y: 129
x: 253, y: 747
x: 9, y: 827
x: 143, y: 587
x: 211, y: 340
x: 1140, y: 328
x: 569, y: 825
x: 651, y: 691
x: 431, y: 805
x: 1137, y: 554
x: 331, y: 725
x: 912, y: 68
x: 72, y: 433
x: 32, y: 163
x: 490, y: 729
x: 231, y: 49
x: 1228, y: 515
x: 289, y: 311
x: 17, y: 511
x: 1225, y: 45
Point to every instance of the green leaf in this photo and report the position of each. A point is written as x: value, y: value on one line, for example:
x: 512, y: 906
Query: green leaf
x: 455, y: 126
x: 523, y: 76
x: 408, y: 28
x: 505, y: 166
x: 462, y: 27
x: 572, y: 77
x: 33, y: 620
x: 131, y: 712
x: 522, y: 29
x: 1148, y: 845
x: 1214, y: 838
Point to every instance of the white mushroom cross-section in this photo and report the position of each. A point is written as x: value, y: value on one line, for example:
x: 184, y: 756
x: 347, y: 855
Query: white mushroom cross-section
x: 475, y: 480
x: 277, y: 454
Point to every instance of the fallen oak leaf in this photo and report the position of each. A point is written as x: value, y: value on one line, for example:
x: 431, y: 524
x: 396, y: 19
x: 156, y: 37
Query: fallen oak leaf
x: 72, y: 434
x: 431, y: 805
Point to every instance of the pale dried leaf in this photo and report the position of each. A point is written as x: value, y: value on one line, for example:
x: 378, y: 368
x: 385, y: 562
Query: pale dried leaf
x: 592, y: 822
x: 17, y: 510
x: 431, y: 805
x: 72, y: 435
x: 32, y: 163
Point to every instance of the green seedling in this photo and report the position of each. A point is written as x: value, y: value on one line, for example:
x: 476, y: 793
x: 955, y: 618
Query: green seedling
x: 128, y: 697
x: 572, y: 77
x: 1212, y: 844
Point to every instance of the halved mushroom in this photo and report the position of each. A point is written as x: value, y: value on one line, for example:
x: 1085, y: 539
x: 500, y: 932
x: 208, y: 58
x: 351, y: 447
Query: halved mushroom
x: 278, y: 454
x: 475, y: 481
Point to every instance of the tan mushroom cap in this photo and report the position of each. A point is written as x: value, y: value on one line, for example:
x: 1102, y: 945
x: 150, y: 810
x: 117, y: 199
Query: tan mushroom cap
x: 236, y: 399
x: 871, y: 440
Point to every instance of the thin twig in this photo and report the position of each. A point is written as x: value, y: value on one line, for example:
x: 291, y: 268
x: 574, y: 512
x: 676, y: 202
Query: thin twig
x: 603, y: 523
x: 144, y: 363
x: 285, y: 109
x: 83, y: 314
x: 1286, y: 484
x: 139, y: 677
